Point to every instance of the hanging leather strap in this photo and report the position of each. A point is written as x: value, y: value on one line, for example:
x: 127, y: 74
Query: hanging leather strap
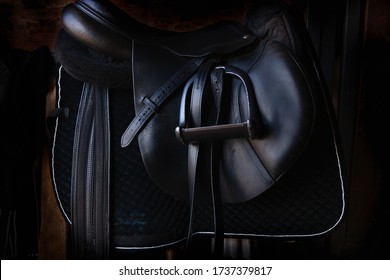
x: 190, y: 131
x: 90, y: 180
x: 198, y: 87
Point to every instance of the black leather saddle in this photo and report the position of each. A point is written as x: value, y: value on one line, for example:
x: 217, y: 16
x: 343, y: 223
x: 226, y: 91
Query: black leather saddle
x: 224, y: 131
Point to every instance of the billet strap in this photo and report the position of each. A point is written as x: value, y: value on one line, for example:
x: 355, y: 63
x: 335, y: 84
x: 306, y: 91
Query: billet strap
x: 158, y: 98
x: 90, y: 179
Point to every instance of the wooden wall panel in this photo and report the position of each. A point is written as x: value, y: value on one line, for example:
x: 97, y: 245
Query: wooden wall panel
x: 30, y: 24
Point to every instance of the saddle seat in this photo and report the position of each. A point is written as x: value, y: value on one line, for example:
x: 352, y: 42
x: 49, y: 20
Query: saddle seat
x: 107, y: 29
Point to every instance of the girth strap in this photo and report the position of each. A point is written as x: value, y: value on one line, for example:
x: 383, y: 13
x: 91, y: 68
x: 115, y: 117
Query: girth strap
x: 90, y: 179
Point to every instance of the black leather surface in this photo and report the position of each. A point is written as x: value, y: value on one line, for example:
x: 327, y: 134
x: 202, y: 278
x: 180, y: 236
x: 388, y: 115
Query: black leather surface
x: 107, y: 29
x: 286, y: 101
x: 299, y: 156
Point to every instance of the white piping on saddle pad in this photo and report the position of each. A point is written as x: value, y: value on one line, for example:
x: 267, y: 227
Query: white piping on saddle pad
x: 53, y: 148
x: 201, y: 233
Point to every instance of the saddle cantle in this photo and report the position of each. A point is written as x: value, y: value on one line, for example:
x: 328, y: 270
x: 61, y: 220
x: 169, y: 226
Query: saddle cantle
x: 216, y: 116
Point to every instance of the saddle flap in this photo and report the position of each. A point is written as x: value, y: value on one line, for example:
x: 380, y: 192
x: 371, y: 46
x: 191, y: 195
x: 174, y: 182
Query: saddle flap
x: 283, y: 96
x: 286, y: 103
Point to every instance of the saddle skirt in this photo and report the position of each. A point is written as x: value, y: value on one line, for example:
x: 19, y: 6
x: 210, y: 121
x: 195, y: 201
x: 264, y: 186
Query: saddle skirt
x: 247, y: 103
